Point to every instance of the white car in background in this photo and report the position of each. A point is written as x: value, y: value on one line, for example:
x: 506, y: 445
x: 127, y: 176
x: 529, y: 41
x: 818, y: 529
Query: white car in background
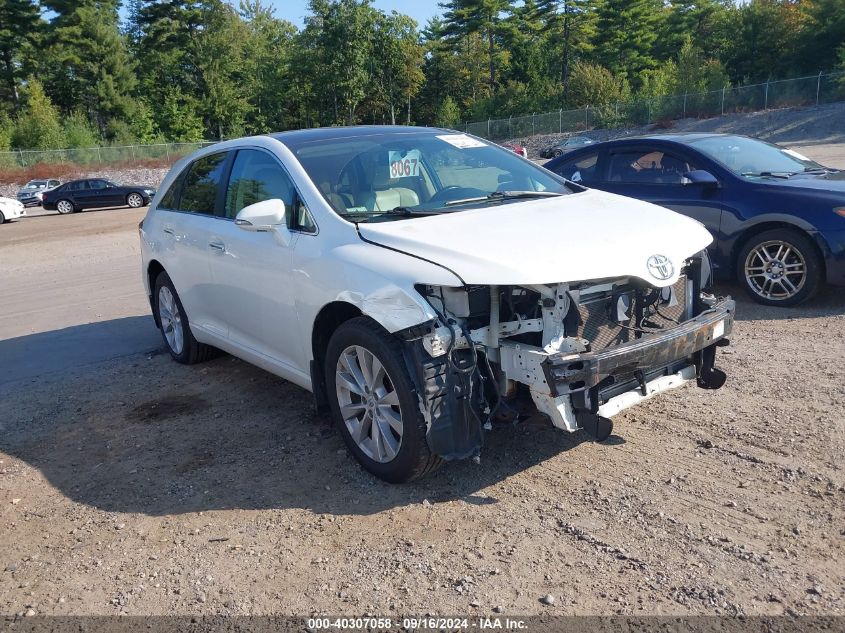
x: 425, y: 284
x: 31, y: 193
x: 10, y: 209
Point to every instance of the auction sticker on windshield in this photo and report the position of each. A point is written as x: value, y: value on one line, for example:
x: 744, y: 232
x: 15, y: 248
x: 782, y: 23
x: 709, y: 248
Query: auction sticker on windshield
x: 404, y: 164
x: 461, y: 141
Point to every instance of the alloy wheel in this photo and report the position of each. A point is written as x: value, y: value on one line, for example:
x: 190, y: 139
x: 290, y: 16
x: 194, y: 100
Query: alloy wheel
x: 369, y: 404
x: 135, y: 200
x: 775, y: 270
x: 171, y: 320
x: 64, y: 207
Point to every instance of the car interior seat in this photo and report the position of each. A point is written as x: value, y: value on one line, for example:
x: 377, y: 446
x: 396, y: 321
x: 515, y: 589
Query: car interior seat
x: 385, y: 197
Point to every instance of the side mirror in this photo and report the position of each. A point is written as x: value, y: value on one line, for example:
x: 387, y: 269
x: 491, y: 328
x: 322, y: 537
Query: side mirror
x: 700, y: 177
x: 264, y: 217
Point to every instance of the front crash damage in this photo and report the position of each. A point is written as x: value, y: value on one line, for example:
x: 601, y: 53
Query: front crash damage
x: 580, y: 352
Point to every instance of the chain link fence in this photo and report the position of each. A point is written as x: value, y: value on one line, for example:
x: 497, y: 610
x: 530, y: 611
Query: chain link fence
x: 800, y: 91
x: 783, y: 93
x: 107, y: 155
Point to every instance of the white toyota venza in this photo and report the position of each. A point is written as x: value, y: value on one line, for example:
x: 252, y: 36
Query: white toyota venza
x: 425, y: 284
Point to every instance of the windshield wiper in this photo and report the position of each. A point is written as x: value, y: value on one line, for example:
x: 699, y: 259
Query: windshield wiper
x: 769, y: 174
x: 505, y: 195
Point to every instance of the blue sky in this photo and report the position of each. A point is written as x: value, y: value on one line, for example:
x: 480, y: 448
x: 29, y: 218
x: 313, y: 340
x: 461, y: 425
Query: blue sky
x: 420, y: 10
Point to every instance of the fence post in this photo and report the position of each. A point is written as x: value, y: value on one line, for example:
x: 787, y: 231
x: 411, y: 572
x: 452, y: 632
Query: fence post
x: 20, y: 158
x: 766, y: 97
x: 533, y: 118
x: 723, y: 100
x: 510, y: 127
x: 99, y: 155
x: 488, y: 127
x: 648, y: 117
x: 586, y: 117
x: 685, y: 105
x: 560, y: 121
x: 818, y: 87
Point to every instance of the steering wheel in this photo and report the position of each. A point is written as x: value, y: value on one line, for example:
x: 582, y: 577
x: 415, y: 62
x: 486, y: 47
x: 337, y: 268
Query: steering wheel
x: 449, y: 193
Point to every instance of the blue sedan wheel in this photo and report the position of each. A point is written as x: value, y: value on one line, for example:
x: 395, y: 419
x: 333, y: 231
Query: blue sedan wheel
x: 780, y: 267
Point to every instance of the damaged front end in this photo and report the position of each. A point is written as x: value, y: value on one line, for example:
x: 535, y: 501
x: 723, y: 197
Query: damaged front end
x: 579, y: 351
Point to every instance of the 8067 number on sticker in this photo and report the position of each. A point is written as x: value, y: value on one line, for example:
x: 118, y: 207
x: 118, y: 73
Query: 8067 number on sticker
x: 404, y: 164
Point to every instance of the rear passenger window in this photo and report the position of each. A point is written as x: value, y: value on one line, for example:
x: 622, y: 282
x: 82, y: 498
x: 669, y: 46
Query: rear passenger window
x: 77, y: 186
x: 202, y: 182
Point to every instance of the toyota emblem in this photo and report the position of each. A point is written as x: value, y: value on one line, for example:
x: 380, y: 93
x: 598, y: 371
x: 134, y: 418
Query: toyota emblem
x: 660, y: 267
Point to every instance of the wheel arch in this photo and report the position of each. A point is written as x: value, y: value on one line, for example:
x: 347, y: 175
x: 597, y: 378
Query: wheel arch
x: 154, y: 269
x: 330, y: 317
x: 749, y: 233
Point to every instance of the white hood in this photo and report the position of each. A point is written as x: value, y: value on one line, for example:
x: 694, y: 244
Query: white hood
x: 578, y: 237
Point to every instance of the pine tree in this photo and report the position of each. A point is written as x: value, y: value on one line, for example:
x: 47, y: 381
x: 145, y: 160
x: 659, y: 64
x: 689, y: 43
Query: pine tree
x: 91, y: 68
x: 20, y: 27
x: 626, y: 31
x: 570, y: 26
x: 486, y: 17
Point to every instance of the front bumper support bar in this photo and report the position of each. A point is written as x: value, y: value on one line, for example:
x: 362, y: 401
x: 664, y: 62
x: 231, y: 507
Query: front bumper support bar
x: 567, y: 373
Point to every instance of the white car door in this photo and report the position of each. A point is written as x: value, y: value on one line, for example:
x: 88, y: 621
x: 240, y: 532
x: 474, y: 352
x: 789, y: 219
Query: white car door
x: 251, y: 271
x: 188, y: 228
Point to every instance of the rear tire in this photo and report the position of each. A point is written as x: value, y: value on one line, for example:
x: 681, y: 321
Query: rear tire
x: 780, y: 267
x: 65, y: 207
x: 371, y: 395
x: 175, y: 329
x: 557, y: 153
x: 135, y: 200
x: 2, y: 218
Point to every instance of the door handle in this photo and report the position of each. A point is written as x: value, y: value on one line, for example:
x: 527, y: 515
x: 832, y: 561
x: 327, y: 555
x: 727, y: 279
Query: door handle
x: 168, y: 230
x: 218, y: 246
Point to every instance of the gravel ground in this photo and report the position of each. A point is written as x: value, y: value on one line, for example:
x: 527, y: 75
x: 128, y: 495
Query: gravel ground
x: 133, y: 485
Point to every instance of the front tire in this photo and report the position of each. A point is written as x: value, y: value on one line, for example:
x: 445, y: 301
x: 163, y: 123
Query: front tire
x: 65, y: 207
x: 374, y: 404
x: 175, y: 329
x: 2, y: 218
x: 780, y: 267
x: 135, y: 200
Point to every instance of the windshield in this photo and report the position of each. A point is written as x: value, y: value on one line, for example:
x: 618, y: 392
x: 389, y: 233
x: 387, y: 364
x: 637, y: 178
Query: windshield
x: 35, y: 184
x: 752, y: 158
x: 401, y: 174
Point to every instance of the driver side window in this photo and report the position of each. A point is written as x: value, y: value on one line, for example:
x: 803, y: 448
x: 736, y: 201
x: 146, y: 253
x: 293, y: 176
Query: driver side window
x: 256, y: 176
x: 647, y: 166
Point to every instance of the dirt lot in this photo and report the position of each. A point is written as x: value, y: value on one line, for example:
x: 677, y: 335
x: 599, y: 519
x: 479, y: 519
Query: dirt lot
x: 131, y: 484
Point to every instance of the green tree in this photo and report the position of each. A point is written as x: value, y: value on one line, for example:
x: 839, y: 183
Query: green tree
x: 78, y: 131
x: 626, y: 31
x: 20, y: 27
x: 178, y: 118
x: 397, y: 62
x: 486, y: 17
x: 570, y: 26
x: 268, y: 66
x: 448, y: 114
x: 823, y: 31
x: 38, y: 125
x: 90, y: 65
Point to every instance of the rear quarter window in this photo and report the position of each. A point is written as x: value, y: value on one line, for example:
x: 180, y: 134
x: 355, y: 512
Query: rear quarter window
x: 170, y: 200
x: 202, y: 184
x: 582, y: 169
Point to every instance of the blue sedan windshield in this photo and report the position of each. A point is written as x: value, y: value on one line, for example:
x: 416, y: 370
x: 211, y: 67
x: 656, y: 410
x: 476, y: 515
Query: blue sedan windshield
x: 752, y: 158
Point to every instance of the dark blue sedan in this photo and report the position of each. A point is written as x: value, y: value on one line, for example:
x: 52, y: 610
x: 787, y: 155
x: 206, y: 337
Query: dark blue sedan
x: 777, y: 218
